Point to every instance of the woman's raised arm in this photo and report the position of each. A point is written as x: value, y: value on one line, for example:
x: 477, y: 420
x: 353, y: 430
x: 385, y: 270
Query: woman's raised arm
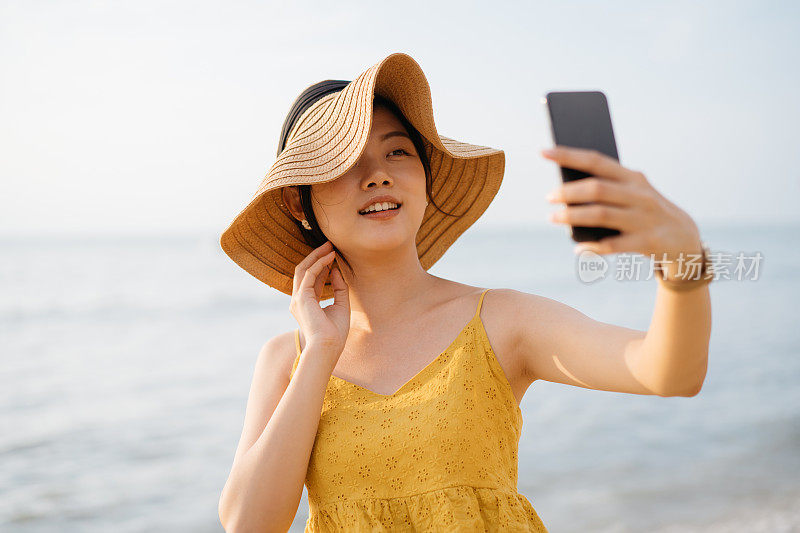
x: 558, y: 343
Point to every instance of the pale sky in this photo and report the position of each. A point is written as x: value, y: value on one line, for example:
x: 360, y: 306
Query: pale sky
x: 164, y: 116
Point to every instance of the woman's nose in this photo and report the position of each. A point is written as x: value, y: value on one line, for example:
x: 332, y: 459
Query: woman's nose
x: 386, y: 181
x: 374, y: 176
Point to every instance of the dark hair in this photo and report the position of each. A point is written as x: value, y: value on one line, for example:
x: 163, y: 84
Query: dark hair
x: 314, y: 237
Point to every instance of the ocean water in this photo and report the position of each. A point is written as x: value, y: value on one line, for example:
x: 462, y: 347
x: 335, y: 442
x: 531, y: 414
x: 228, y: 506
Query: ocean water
x: 126, y: 364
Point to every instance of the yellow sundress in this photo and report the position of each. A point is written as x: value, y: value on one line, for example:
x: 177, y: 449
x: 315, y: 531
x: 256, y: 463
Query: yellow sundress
x: 439, y: 454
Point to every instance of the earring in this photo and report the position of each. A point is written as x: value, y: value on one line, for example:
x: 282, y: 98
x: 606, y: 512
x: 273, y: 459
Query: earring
x: 306, y: 224
x: 426, y: 203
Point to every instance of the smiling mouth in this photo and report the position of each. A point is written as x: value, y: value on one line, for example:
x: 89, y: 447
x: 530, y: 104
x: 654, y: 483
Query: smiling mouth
x: 381, y: 211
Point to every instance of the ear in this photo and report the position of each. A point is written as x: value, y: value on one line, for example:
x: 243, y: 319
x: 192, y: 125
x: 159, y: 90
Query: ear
x: 291, y: 198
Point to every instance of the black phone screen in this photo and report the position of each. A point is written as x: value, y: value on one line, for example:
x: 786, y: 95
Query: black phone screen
x: 581, y: 119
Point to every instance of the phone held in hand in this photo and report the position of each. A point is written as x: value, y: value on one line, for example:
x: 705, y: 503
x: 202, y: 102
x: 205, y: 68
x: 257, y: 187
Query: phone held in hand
x: 581, y: 119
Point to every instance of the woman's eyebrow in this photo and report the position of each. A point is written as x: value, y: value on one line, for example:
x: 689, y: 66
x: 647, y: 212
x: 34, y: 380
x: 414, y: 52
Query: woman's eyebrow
x: 394, y: 134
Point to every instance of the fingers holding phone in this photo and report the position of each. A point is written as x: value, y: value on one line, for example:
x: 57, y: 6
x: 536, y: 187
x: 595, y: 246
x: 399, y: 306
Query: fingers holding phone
x: 610, y: 208
x: 581, y: 119
x: 611, y: 198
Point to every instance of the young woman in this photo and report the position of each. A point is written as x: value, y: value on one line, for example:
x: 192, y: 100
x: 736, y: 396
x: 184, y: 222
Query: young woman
x: 398, y: 404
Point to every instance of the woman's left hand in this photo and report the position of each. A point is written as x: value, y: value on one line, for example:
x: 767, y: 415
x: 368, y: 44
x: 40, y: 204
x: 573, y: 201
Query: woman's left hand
x: 622, y: 199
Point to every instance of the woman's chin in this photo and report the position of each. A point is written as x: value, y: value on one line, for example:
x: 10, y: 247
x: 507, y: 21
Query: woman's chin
x: 383, y: 241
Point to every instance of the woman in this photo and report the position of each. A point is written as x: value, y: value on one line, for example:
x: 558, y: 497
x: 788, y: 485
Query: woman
x: 353, y: 402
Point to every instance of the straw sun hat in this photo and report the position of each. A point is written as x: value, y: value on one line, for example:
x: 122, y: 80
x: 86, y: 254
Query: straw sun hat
x: 327, y: 139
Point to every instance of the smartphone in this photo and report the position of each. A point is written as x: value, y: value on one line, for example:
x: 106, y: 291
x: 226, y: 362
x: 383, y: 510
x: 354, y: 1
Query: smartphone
x: 581, y: 119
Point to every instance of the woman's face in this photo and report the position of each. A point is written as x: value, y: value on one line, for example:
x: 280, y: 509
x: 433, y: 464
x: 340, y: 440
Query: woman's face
x: 389, y: 165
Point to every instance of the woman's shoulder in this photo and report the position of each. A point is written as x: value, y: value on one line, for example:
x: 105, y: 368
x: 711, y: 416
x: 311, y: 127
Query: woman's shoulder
x: 448, y: 291
x: 498, y: 309
x: 503, y: 301
x: 501, y: 319
x: 502, y: 305
x: 279, y: 352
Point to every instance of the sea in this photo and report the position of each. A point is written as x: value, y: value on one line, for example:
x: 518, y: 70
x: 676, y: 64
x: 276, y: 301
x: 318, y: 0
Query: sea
x: 127, y: 361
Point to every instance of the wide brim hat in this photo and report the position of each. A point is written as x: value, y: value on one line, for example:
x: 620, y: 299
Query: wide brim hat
x: 327, y: 140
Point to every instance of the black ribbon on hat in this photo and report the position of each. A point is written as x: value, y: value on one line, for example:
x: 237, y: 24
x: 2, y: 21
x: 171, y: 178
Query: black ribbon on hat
x: 303, y: 102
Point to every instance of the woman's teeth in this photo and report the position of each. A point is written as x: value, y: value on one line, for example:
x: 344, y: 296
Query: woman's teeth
x: 379, y: 207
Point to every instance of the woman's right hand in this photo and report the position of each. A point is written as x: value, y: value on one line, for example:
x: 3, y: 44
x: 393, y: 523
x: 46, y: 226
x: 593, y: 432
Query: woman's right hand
x: 328, y: 327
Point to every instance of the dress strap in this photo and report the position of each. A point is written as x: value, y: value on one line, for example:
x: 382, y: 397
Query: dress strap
x: 480, y: 302
x: 297, y: 357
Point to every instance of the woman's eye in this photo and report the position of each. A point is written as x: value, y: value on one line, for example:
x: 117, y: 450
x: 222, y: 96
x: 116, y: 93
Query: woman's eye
x: 398, y: 150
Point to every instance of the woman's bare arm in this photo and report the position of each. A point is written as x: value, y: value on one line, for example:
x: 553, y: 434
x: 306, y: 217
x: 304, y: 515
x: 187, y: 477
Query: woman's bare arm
x: 558, y: 343
x: 266, y: 480
x: 671, y: 357
x: 674, y: 354
x: 265, y: 485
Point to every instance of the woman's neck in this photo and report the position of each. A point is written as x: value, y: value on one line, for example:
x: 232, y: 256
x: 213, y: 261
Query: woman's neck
x: 386, y: 287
